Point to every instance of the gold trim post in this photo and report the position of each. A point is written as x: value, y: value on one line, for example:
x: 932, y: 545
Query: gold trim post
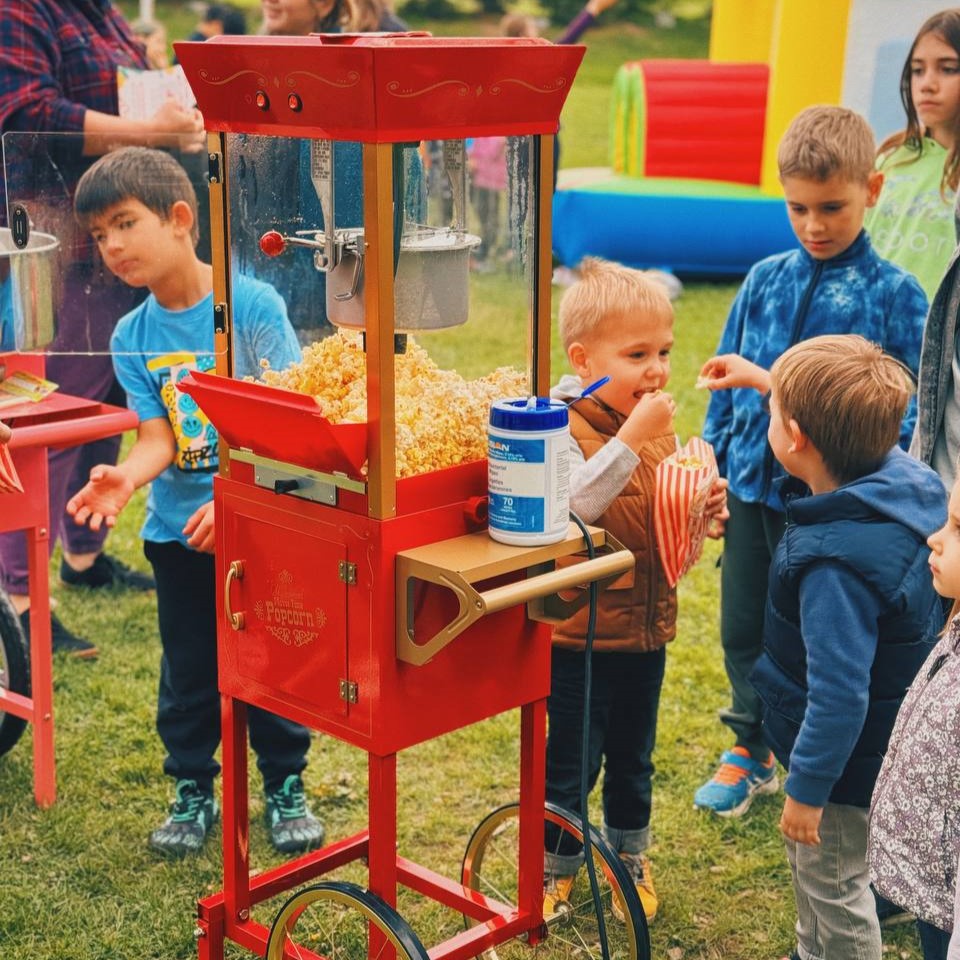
x: 379, y: 324
x: 541, y: 319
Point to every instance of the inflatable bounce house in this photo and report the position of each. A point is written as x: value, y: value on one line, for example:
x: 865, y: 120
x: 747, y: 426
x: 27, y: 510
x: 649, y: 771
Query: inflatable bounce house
x: 693, y: 184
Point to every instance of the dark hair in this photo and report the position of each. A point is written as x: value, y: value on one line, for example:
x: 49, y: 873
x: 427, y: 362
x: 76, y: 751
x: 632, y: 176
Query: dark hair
x: 232, y: 19
x: 946, y: 25
x: 134, y: 173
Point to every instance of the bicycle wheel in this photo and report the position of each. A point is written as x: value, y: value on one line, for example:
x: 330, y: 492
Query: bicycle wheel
x: 340, y: 921
x: 490, y: 866
x: 14, y: 671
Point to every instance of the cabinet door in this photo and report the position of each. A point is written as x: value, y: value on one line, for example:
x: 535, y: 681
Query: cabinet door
x: 292, y: 646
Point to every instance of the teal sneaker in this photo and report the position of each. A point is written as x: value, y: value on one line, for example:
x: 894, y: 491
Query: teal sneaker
x: 192, y: 815
x: 293, y: 828
x: 739, y: 778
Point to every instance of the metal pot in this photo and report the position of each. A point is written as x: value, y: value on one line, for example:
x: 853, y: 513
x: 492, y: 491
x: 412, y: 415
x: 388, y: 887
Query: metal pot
x: 30, y: 288
x: 431, y: 288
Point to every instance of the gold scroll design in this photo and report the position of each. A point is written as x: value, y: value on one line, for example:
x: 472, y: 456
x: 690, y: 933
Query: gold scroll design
x: 553, y: 87
x: 394, y: 88
x: 352, y: 78
x: 215, y: 81
x: 495, y: 89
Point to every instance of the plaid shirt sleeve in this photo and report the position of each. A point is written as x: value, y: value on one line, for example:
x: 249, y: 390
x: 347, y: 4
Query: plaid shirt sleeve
x: 59, y: 59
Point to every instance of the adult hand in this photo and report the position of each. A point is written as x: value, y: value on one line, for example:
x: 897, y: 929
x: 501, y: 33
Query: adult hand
x: 104, y: 496
x: 199, y: 529
x: 177, y: 126
x: 651, y: 417
x: 801, y: 822
x: 731, y: 370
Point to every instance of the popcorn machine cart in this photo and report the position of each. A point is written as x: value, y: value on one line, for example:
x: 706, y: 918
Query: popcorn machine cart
x: 358, y: 590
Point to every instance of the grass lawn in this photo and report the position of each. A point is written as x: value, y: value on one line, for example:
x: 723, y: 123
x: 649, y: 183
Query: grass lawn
x: 77, y: 881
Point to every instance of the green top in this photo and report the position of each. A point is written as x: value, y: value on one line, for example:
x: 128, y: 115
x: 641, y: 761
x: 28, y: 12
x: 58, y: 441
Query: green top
x: 912, y: 224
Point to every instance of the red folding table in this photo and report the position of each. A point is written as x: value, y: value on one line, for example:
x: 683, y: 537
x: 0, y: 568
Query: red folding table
x: 59, y: 420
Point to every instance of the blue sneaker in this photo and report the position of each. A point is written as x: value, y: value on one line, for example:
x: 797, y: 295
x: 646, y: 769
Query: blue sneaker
x: 739, y: 778
x: 192, y: 815
x: 293, y: 828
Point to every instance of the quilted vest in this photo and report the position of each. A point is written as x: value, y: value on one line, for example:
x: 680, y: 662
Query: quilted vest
x: 638, y: 611
x: 893, y: 561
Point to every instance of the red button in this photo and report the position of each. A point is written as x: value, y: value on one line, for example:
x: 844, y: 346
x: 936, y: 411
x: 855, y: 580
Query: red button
x: 294, y: 103
x: 272, y: 243
x: 262, y: 100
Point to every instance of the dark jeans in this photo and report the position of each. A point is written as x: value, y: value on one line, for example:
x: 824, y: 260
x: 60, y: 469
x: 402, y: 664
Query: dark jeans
x: 188, y: 703
x: 625, y: 694
x: 933, y: 941
x: 753, y: 532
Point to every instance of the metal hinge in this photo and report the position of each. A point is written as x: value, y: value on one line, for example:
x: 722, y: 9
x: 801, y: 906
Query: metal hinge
x: 348, y: 691
x: 347, y: 572
x: 214, y: 169
x: 220, y: 318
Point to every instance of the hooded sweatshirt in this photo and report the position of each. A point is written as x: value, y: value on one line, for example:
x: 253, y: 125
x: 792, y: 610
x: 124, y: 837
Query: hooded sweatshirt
x: 851, y: 615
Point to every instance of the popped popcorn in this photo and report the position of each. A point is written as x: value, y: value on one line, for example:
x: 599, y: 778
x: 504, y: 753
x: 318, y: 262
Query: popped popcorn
x: 441, y: 418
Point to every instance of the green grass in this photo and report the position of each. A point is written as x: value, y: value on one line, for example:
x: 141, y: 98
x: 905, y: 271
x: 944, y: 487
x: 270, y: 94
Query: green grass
x: 77, y: 882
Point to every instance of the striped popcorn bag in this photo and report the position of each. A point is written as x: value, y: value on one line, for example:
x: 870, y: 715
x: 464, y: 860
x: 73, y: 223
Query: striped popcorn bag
x: 9, y: 479
x: 684, y: 480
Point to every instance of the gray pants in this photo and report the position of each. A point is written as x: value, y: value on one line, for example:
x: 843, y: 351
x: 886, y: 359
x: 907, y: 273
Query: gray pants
x: 836, y: 914
x: 753, y: 532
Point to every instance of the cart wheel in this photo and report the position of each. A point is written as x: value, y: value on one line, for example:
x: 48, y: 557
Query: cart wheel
x: 14, y: 671
x: 340, y: 921
x: 490, y: 866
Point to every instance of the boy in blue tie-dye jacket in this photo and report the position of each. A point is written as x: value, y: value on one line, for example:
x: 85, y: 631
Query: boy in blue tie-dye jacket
x: 834, y: 283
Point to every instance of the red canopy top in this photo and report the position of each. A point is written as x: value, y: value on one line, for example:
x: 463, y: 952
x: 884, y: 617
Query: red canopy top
x: 380, y: 88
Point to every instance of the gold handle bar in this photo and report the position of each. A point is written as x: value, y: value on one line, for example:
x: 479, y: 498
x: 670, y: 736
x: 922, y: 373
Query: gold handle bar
x: 459, y: 563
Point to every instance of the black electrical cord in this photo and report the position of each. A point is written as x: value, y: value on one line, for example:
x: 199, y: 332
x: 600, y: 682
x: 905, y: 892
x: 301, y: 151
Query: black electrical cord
x: 593, y: 593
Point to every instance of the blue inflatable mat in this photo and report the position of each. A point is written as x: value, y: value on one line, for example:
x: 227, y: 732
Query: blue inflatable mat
x: 685, y: 226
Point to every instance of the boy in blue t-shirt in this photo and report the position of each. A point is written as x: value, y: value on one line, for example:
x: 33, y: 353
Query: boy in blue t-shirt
x: 141, y: 210
x: 835, y: 283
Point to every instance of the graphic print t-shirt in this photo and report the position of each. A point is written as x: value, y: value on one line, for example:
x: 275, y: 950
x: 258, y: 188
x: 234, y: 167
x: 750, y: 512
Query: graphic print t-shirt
x: 153, y: 348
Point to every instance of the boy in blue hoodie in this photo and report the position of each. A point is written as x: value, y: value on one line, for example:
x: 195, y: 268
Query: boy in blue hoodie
x: 851, y: 615
x: 833, y: 284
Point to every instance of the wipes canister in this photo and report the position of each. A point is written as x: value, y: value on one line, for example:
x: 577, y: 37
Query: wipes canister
x: 528, y: 478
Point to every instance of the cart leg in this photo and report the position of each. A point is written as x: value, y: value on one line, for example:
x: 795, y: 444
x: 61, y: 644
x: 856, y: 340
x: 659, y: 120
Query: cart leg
x: 382, y: 855
x: 209, y: 940
x: 41, y: 666
x: 533, y: 749
x: 236, y: 815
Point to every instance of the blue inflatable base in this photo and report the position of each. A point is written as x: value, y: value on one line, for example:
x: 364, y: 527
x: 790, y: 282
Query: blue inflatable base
x: 685, y: 226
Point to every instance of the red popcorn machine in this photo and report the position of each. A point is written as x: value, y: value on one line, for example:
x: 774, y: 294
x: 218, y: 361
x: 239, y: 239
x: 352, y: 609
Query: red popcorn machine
x: 359, y: 592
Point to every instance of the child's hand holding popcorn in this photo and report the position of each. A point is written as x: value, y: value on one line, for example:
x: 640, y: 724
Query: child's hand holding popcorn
x: 716, y: 509
x: 731, y: 370
x: 651, y: 417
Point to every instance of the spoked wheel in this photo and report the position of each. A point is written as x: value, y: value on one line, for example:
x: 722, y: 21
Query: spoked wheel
x: 14, y: 671
x: 490, y: 866
x: 340, y: 921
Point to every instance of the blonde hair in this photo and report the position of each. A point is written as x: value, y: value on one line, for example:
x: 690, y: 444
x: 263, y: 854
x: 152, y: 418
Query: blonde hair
x: 848, y: 397
x: 604, y: 291
x: 822, y: 142
x: 518, y: 25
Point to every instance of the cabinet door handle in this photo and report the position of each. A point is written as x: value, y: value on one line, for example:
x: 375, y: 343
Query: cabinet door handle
x: 234, y: 573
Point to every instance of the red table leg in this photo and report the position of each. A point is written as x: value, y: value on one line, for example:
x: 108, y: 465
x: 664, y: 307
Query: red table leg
x: 41, y: 668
